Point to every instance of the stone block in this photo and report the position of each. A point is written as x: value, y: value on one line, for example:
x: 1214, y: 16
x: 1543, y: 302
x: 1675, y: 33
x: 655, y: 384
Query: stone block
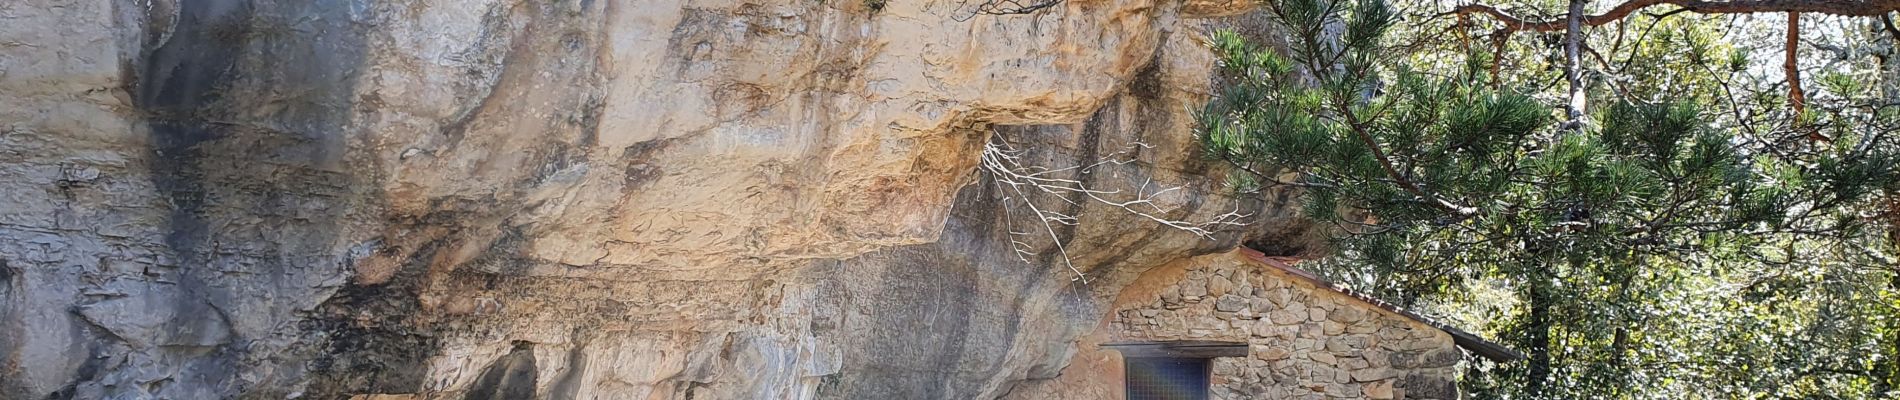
x: 1443, y: 357
x: 1348, y: 314
x: 1373, y: 374
x: 1427, y: 386
x: 1279, y: 296
x: 1377, y: 358
x: 1312, y: 330
x: 1295, y: 307
x: 1219, y: 286
x: 1261, y: 305
x: 1224, y: 367
x: 1270, y: 353
x: 1354, y: 363
x: 1427, y: 358
x: 1262, y: 328
x: 1323, y: 358
x: 1342, y: 391
x: 1230, y: 303
x: 1171, y: 295
x: 1332, y: 328
x: 1285, y: 317
x: 1324, y: 303
x: 1393, y: 335
x: 1193, y: 289
x: 1209, y: 322
x: 1381, y: 390
x: 1342, y: 344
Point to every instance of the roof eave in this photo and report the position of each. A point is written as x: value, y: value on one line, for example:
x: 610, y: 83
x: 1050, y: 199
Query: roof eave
x: 1470, y: 342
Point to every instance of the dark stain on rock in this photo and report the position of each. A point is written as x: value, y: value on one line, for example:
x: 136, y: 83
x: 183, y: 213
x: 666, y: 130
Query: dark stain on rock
x: 182, y: 76
x: 504, y: 256
x: 204, y: 87
x: 1146, y: 85
x: 640, y: 168
x: 7, y: 273
x: 495, y: 45
x: 1289, y: 238
x: 587, y: 120
x: 554, y: 159
x: 375, y: 342
x: 87, y: 371
x: 570, y: 382
x: 245, y: 103
x: 371, y: 345
x: 511, y: 377
x: 12, y: 329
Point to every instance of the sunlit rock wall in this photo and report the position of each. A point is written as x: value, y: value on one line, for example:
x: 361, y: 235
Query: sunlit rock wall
x: 579, y: 198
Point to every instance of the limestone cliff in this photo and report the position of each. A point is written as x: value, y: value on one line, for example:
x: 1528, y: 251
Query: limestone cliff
x: 633, y: 199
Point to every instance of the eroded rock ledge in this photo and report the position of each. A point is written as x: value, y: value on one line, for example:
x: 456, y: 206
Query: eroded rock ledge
x: 577, y: 198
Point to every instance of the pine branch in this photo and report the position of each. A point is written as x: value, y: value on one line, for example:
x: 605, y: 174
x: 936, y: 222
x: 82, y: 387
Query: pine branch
x: 1866, y: 8
x: 1385, y: 162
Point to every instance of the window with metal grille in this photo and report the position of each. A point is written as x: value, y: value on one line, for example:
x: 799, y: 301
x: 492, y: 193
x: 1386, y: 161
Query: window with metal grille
x: 1166, y: 378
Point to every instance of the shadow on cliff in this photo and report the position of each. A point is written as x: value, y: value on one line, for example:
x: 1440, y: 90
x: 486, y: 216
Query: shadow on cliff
x: 247, y: 105
x: 964, y: 317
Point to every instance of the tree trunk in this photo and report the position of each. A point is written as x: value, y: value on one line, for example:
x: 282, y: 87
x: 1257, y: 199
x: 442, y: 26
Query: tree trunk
x: 1573, y: 66
x: 1887, y: 369
x: 1796, y: 98
x: 1538, y: 337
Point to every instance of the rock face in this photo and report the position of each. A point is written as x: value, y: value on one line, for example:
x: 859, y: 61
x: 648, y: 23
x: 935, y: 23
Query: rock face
x: 655, y: 199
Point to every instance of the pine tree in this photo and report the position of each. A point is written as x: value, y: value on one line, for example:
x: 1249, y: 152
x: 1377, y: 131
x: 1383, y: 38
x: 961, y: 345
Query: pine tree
x: 1611, y: 237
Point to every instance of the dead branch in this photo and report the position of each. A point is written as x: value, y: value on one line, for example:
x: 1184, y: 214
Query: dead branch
x: 1003, y: 7
x: 1852, y: 8
x: 1573, y: 66
x: 1022, y: 183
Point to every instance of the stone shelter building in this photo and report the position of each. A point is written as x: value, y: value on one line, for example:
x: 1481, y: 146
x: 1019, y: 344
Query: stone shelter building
x: 1240, y: 325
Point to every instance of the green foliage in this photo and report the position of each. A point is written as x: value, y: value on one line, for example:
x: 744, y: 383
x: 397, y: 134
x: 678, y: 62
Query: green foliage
x: 1692, y: 241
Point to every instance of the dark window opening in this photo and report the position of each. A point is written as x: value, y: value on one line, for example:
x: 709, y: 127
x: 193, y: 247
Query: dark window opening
x: 1166, y: 378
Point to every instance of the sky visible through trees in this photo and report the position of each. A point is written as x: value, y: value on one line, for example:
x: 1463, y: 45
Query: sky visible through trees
x: 1651, y: 199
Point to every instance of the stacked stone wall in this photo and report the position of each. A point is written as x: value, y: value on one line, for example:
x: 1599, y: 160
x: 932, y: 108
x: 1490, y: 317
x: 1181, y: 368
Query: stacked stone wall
x: 1305, y: 341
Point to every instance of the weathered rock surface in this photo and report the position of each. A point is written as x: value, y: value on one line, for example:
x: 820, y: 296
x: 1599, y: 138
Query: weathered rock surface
x: 654, y: 199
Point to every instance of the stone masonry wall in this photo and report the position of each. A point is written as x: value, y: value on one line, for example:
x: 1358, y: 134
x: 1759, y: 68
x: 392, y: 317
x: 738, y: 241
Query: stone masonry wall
x: 1305, y: 341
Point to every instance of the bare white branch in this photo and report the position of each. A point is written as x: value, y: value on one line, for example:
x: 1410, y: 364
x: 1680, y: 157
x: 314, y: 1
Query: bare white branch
x: 1019, y: 181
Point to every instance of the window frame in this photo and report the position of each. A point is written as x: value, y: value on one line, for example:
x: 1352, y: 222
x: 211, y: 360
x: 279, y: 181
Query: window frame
x: 1202, y: 390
